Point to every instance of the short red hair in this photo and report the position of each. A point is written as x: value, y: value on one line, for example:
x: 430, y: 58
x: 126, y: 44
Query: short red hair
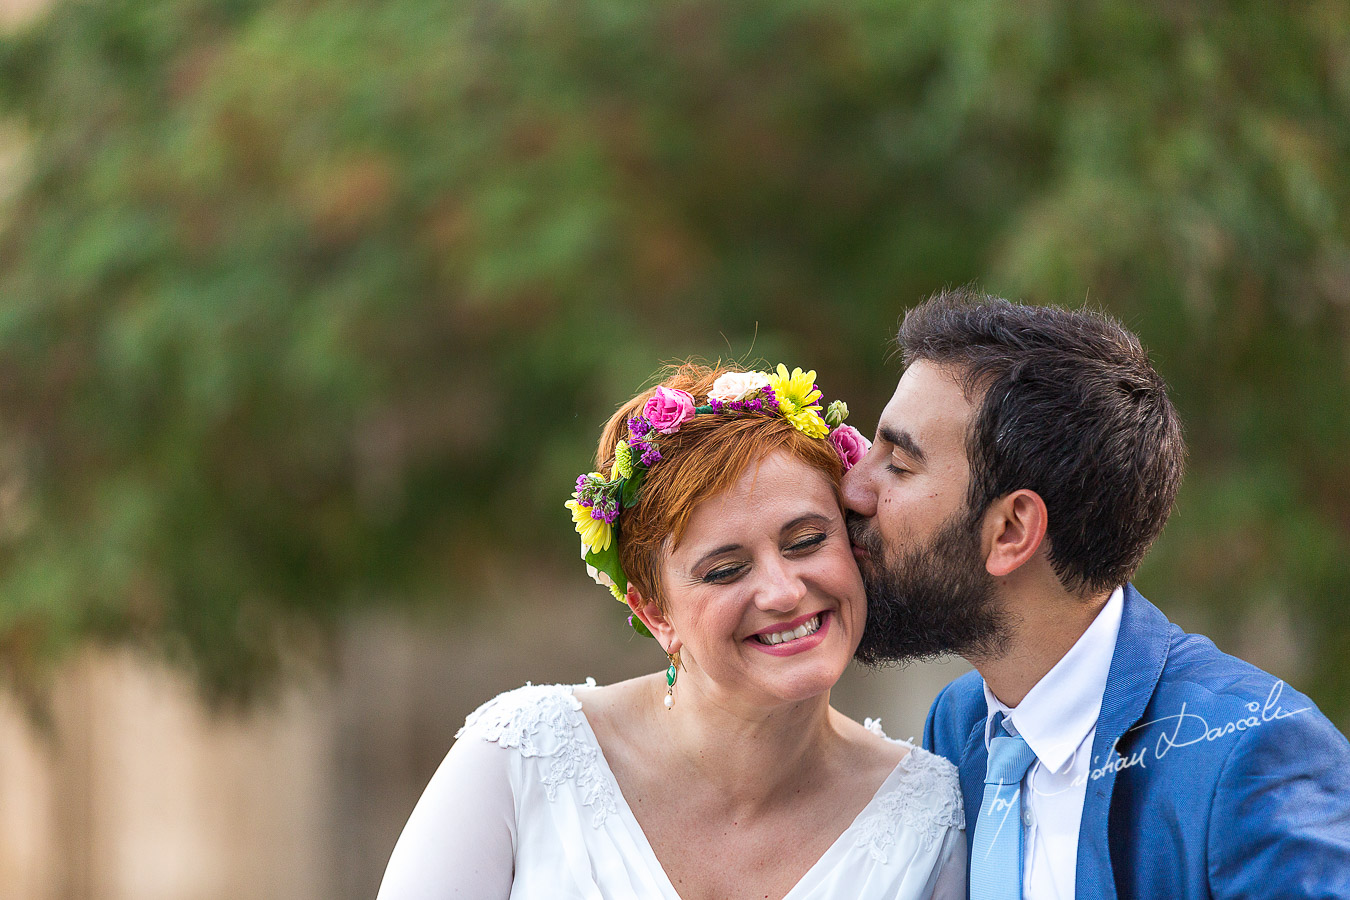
x: 701, y: 460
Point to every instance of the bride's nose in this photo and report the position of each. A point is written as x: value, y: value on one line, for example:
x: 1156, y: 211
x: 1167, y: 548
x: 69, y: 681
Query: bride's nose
x: 782, y: 589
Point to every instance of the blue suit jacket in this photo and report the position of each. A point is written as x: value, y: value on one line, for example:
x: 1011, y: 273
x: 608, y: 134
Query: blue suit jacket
x: 1210, y: 777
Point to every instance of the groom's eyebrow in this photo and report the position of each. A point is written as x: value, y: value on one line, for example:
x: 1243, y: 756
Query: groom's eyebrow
x: 902, y: 440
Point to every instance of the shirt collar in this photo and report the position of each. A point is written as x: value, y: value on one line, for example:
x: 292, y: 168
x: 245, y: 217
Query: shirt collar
x: 1060, y: 709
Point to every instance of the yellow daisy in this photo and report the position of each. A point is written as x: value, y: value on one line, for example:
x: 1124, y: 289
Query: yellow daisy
x: 799, y: 401
x: 596, y: 534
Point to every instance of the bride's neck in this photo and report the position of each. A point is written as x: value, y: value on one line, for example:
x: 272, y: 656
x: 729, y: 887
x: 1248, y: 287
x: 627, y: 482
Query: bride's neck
x: 745, y: 752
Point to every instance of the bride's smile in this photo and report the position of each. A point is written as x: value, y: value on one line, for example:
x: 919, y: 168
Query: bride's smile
x: 792, y: 637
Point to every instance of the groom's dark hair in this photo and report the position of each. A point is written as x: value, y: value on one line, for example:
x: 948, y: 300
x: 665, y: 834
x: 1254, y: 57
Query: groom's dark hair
x: 1068, y: 406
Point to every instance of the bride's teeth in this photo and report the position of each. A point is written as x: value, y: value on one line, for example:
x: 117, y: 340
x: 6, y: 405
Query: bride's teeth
x: 810, y: 626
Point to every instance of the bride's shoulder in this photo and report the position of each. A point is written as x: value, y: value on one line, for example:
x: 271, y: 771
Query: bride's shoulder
x: 935, y: 772
x: 922, y: 796
x: 547, y: 744
x: 921, y: 759
x: 521, y: 717
x: 925, y: 780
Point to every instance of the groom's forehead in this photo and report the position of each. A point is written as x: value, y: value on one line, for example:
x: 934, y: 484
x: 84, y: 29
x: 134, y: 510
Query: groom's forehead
x: 929, y: 407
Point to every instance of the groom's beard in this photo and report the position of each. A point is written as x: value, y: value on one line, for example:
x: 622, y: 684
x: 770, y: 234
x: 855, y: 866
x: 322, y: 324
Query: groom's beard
x: 931, y: 599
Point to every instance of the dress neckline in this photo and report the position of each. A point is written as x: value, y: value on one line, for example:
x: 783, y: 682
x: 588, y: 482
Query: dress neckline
x: 812, y: 875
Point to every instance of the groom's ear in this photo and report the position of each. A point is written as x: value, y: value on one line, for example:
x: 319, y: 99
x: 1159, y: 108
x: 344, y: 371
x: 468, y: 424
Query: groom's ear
x: 653, y: 618
x: 1016, y: 523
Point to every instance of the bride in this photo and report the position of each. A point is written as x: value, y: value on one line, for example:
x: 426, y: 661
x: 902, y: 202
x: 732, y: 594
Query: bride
x: 717, y: 521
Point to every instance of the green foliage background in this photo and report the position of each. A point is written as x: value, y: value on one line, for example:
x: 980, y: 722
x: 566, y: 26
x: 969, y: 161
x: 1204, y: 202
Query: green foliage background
x: 312, y: 305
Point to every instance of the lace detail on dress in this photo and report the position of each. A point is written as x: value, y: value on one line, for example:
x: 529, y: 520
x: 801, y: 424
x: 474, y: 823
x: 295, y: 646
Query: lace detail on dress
x: 544, y: 721
x: 927, y: 799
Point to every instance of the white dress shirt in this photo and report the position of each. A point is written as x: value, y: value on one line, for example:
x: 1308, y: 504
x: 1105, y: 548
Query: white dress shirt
x: 1058, y: 720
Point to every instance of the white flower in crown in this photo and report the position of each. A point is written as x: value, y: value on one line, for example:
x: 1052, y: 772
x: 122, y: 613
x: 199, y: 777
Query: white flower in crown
x: 734, y: 386
x: 600, y: 578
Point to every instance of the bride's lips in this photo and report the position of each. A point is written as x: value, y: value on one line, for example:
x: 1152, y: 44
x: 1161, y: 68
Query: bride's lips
x: 799, y: 645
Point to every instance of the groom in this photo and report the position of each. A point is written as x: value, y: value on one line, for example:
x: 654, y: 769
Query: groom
x: 1026, y: 462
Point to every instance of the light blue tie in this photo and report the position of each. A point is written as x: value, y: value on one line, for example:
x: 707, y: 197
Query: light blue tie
x: 996, y: 850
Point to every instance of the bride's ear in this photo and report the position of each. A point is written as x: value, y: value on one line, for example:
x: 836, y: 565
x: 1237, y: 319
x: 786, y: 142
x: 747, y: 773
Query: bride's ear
x: 653, y: 618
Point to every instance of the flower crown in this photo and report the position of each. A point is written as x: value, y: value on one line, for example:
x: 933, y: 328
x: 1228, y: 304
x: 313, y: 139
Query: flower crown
x: 598, y: 501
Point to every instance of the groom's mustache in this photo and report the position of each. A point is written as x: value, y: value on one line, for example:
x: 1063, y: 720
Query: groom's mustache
x: 862, y: 533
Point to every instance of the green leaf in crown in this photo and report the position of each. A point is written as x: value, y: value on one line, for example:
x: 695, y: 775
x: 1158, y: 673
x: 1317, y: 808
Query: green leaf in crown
x: 631, y: 488
x: 607, y: 561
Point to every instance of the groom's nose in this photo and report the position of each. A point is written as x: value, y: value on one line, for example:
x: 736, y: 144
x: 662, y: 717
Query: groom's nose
x: 859, y: 489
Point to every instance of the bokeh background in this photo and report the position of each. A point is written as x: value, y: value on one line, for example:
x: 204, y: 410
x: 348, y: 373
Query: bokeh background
x: 310, y: 311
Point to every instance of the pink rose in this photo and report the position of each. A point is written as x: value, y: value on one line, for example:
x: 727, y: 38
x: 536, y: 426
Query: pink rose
x: 669, y: 409
x: 849, y: 443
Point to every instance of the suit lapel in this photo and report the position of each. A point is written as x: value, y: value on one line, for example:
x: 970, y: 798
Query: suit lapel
x: 1136, y: 666
x: 974, y: 762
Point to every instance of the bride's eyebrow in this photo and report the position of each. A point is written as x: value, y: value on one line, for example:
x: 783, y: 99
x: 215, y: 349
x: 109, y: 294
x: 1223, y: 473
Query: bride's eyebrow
x: 726, y: 548
x: 807, y: 517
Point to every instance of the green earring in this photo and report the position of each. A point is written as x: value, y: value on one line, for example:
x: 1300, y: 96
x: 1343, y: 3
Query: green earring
x: 671, y: 674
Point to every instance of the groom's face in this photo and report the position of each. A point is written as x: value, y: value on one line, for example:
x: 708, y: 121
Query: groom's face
x: 919, y: 547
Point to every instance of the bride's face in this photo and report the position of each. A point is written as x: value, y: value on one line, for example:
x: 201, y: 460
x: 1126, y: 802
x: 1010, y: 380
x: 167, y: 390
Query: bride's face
x: 764, y: 598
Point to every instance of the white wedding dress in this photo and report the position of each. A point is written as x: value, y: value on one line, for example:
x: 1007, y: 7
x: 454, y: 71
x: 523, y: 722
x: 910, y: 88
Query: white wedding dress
x: 549, y: 822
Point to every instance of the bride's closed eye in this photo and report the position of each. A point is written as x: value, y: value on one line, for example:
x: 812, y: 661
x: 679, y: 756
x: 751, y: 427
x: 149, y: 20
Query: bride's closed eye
x: 723, y: 574
x: 808, y: 542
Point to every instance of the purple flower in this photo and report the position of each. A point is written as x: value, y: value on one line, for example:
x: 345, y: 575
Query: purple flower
x: 605, y: 507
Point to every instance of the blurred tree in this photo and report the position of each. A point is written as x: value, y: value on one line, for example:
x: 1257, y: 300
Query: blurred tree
x: 309, y: 305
